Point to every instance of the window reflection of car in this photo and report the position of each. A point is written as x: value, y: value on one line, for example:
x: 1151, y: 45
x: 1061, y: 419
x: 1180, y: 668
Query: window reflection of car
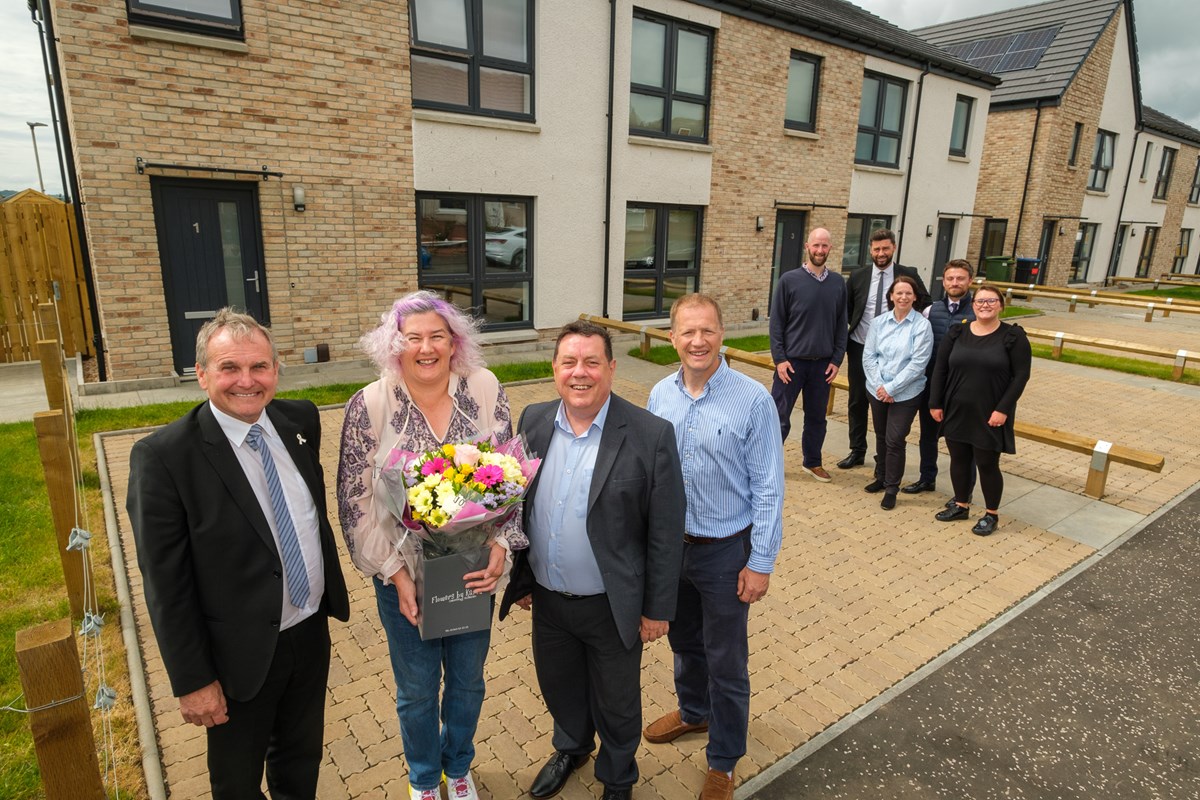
x: 506, y: 246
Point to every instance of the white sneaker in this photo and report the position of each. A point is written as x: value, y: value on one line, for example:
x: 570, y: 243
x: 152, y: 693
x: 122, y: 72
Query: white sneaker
x: 424, y: 794
x: 461, y: 788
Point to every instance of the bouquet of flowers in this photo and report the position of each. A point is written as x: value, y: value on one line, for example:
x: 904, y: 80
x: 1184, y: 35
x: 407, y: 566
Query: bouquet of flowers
x: 449, y: 495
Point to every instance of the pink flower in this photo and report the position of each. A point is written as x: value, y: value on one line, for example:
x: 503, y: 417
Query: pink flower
x: 434, y: 466
x: 466, y: 454
x: 489, y: 476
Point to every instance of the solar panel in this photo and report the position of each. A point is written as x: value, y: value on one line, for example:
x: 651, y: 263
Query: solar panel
x: 1007, y: 53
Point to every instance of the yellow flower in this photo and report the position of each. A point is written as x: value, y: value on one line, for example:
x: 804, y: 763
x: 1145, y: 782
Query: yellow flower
x: 448, y: 450
x: 438, y: 518
x: 465, y: 470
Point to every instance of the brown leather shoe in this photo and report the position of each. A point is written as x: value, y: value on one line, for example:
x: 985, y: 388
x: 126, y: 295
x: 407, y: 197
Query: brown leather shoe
x: 670, y: 727
x: 717, y: 786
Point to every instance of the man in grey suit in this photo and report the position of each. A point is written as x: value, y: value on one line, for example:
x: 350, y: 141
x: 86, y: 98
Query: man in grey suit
x: 605, y: 519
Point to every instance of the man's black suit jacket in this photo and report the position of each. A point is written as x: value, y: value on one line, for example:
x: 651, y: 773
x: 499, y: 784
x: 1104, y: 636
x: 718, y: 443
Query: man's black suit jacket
x: 635, y: 520
x: 210, y: 567
x: 858, y: 286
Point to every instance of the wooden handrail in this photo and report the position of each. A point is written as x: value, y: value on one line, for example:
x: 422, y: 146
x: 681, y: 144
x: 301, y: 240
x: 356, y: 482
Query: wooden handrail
x: 1059, y: 338
x: 1093, y: 298
x: 1103, y: 453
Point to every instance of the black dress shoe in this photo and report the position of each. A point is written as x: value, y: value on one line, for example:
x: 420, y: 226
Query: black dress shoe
x: 986, y: 526
x: 852, y: 460
x: 918, y: 487
x: 874, y: 487
x: 952, y: 513
x: 888, y: 502
x: 613, y: 793
x: 552, y: 777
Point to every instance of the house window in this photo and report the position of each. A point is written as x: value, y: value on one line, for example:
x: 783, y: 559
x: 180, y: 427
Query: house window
x: 1073, y: 156
x: 662, y: 257
x: 1102, y: 161
x: 1085, y: 242
x: 670, y: 66
x: 1163, y: 182
x: 211, y: 17
x: 1194, y: 194
x: 804, y: 76
x: 1181, y: 252
x: 856, y: 247
x: 1147, y: 254
x: 960, y: 128
x: 475, y: 251
x: 880, y: 121
x: 1146, y: 159
x: 473, y: 56
x: 994, y: 231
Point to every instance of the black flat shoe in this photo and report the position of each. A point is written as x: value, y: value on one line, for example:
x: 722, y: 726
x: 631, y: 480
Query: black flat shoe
x: 919, y: 486
x: 552, y: 777
x: 613, y: 793
x: 852, y: 460
x: 952, y: 513
x: 874, y: 487
x: 888, y: 502
x: 986, y: 526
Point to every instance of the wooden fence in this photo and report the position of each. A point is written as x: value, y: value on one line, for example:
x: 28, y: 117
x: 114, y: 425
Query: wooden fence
x: 40, y: 262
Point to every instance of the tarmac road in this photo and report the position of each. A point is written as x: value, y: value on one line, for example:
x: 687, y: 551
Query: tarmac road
x: 1092, y: 693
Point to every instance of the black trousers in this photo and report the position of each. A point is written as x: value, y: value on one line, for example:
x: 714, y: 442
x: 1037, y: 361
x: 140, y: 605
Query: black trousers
x: 965, y: 460
x: 590, y: 680
x: 857, y: 402
x: 892, y: 423
x: 282, y: 726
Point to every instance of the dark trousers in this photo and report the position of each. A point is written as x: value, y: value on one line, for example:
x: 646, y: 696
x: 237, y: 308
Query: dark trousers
x: 965, y: 459
x: 711, y: 646
x: 892, y: 423
x: 857, y: 402
x: 808, y: 378
x: 590, y: 680
x: 283, y: 725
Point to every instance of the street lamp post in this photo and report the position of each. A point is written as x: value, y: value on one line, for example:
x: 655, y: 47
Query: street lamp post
x: 36, y: 159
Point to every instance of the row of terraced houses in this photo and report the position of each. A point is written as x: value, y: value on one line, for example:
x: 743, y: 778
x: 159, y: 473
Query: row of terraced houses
x: 535, y: 159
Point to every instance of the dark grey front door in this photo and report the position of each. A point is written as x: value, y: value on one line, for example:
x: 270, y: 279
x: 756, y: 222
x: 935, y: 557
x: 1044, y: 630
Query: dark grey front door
x: 941, y: 254
x: 789, y: 245
x: 211, y: 255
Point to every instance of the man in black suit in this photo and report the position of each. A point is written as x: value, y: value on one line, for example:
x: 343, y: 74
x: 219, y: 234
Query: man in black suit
x: 866, y: 298
x: 605, y: 519
x: 239, y: 565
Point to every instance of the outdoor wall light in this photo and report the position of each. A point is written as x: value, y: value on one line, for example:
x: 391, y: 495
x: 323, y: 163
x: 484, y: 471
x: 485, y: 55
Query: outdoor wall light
x: 1132, y: 232
x: 758, y: 223
x: 298, y: 197
x: 929, y: 230
x: 1061, y: 229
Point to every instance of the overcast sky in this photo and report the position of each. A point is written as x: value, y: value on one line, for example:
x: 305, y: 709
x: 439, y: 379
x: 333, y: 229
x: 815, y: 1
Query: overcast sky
x: 1167, y: 44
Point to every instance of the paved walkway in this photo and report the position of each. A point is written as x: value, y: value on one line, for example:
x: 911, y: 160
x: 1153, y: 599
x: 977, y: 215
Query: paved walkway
x: 861, y: 598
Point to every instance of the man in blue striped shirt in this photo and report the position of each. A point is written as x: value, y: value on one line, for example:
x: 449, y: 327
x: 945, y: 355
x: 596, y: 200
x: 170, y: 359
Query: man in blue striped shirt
x: 727, y: 430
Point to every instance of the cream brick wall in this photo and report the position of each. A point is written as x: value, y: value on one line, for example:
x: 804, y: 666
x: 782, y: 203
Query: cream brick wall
x: 322, y: 95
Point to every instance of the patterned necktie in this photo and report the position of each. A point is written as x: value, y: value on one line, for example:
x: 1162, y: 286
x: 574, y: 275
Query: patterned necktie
x: 293, y: 560
x: 953, y: 307
x: 879, y: 296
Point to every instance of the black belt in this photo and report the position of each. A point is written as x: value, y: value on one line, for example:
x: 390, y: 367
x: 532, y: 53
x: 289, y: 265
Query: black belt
x: 689, y: 539
x: 568, y: 595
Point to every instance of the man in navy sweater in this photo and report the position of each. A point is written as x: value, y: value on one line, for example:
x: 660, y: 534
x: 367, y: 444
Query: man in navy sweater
x: 808, y: 341
x: 954, y: 308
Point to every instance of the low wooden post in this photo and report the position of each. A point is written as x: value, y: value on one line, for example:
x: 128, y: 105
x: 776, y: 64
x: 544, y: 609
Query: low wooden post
x: 58, y: 464
x: 1074, y: 299
x: 53, y: 372
x: 48, y: 664
x: 829, y: 404
x: 48, y: 317
x: 645, y: 342
x: 1098, y: 470
x: 1056, y: 352
x: 1181, y: 357
x: 1167, y: 310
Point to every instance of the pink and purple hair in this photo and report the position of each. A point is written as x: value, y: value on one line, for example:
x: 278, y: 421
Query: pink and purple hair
x: 384, y: 344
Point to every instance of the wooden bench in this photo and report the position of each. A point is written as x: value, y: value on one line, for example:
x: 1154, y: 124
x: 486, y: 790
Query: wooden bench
x: 1094, y: 298
x: 1102, y: 453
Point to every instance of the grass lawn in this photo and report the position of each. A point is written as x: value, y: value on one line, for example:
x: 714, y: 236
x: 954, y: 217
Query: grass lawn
x: 1133, y: 366
x: 31, y: 588
x: 1178, y: 292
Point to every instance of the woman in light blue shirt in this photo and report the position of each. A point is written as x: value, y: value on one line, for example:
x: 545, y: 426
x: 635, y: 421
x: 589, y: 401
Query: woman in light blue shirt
x: 894, y: 357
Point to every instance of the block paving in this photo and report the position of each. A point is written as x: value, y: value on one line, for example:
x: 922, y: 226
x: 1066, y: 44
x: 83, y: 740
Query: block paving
x: 860, y: 599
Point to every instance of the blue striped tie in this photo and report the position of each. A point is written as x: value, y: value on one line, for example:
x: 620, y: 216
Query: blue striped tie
x: 293, y: 559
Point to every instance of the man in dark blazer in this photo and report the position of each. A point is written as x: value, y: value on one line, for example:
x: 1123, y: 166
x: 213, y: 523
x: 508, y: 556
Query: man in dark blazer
x: 239, y: 565
x: 605, y: 520
x: 866, y: 298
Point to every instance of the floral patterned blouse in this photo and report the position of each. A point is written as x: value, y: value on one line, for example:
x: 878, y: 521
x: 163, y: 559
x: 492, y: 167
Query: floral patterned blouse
x: 378, y: 543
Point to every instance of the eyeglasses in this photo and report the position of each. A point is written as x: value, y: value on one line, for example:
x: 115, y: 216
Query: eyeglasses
x: 991, y: 301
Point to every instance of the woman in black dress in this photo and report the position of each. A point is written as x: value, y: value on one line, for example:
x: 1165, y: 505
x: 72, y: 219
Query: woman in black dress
x: 982, y: 368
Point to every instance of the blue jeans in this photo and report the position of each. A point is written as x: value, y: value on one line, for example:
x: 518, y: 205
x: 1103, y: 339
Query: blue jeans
x: 712, y: 653
x: 418, y: 668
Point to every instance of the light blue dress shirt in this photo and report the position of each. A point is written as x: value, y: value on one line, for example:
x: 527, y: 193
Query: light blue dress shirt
x: 559, y: 550
x: 895, y: 355
x: 732, y: 457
